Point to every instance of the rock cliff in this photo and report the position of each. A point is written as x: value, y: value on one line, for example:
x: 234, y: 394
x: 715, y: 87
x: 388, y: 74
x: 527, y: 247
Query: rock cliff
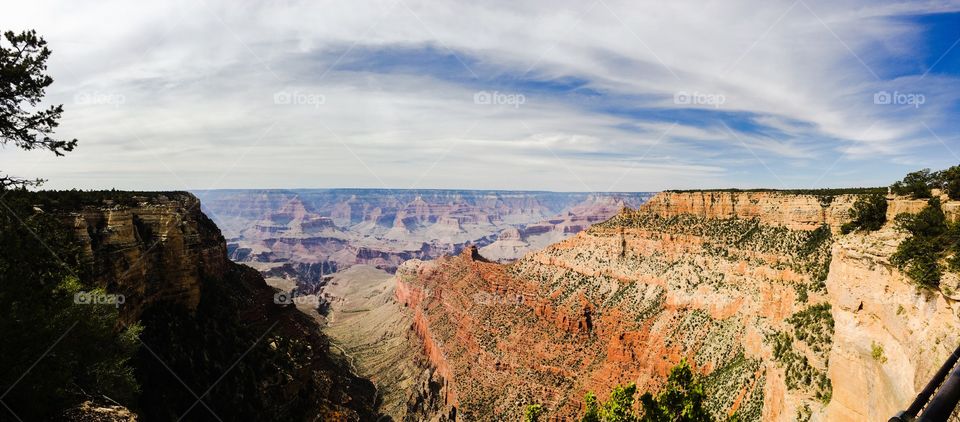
x: 209, y: 324
x: 159, y: 249
x: 784, y: 317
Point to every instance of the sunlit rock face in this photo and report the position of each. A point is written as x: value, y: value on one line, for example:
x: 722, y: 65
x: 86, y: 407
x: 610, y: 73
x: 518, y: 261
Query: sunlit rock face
x: 157, y: 249
x: 779, y: 312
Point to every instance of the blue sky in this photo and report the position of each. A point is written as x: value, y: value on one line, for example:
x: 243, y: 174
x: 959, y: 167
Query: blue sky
x: 573, y: 95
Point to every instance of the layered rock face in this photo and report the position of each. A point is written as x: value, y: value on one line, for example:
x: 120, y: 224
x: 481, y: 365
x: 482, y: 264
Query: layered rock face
x: 382, y: 228
x: 890, y: 337
x: 797, y: 212
x: 157, y: 251
x: 200, y: 312
x: 781, y: 315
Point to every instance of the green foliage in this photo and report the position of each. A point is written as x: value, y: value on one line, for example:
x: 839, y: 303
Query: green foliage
x: 869, y: 212
x: 876, y: 351
x: 803, y: 413
x: 814, y: 326
x: 532, y: 413
x: 681, y: 400
x: 23, y: 66
x: 917, y: 184
x: 931, y: 239
x: 59, y: 347
x: 76, y: 199
x: 619, y: 408
x: 800, y: 375
x: 591, y: 411
x: 929, y: 222
x: 739, y: 381
x: 949, y: 181
x: 920, y: 184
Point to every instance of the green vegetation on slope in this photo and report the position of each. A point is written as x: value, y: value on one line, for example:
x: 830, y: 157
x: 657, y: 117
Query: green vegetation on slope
x: 801, y: 375
x: 868, y: 213
x: 931, y: 242
x: 814, y: 326
x: 919, y: 184
x: 56, y: 350
x: 804, y: 251
x: 681, y: 400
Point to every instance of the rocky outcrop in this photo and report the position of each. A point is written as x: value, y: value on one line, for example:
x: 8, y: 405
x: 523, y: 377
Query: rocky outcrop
x: 785, y: 318
x: 890, y: 336
x: 797, y: 212
x: 159, y: 250
x: 199, y: 313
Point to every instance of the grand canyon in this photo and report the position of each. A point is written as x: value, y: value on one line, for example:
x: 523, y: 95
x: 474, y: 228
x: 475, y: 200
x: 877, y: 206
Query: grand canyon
x: 779, y: 311
x: 459, y: 211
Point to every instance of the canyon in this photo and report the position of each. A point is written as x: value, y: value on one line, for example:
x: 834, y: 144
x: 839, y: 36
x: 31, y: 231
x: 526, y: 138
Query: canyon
x: 332, y: 229
x: 200, y: 312
x: 336, y: 249
x: 784, y: 317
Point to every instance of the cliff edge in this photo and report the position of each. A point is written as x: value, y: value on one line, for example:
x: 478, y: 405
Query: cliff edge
x: 210, y: 325
x: 785, y: 318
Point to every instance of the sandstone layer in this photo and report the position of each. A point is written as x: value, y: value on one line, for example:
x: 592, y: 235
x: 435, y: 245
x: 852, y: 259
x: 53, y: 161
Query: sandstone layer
x: 779, y: 313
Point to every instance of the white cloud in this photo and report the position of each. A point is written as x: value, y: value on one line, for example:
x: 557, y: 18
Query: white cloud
x: 198, y: 79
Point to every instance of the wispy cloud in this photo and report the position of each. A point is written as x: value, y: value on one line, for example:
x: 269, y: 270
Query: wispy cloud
x: 556, y: 95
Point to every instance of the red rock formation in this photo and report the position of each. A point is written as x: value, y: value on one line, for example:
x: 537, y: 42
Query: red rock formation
x: 624, y: 302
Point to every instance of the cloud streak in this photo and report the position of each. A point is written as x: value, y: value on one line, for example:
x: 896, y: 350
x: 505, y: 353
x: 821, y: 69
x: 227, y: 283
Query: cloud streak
x: 374, y: 93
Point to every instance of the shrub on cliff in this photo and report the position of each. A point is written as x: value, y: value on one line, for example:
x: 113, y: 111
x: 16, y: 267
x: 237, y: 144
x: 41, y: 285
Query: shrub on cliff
x: 916, y: 184
x: 55, y: 349
x: 949, y: 181
x: 681, y: 400
x: 532, y: 413
x: 931, y: 240
x: 869, y: 212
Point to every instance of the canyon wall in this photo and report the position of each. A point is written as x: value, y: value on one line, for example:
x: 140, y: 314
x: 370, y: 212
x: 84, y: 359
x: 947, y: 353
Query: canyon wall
x: 890, y: 336
x: 793, y: 211
x: 382, y: 228
x: 159, y: 250
x: 781, y: 314
x: 200, y: 312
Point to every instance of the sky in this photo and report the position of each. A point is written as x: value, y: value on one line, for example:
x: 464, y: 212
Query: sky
x: 586, y: 95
